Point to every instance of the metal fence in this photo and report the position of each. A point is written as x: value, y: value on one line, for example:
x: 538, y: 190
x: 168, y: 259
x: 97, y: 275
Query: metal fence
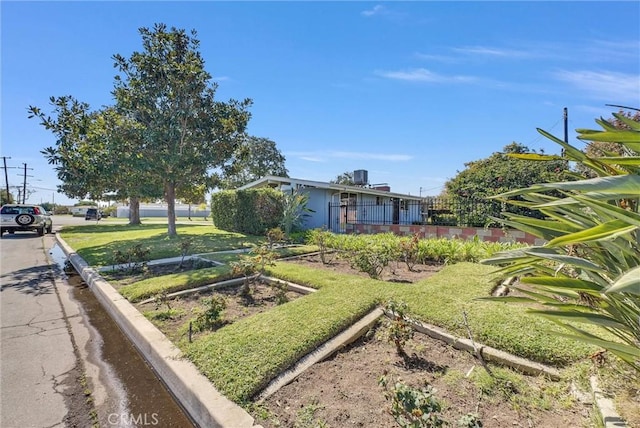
x: 468, y: 212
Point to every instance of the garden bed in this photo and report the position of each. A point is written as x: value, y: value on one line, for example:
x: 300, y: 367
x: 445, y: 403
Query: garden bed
x: 394, y: 272
x: 344, y: 390
x: 172, y: 316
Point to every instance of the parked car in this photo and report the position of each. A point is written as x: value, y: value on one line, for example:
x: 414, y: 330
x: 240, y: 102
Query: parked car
x: 93, y: 214
x: 25, y: 217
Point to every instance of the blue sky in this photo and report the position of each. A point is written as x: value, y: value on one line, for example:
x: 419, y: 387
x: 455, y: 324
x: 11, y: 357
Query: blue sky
x: 409, y: 91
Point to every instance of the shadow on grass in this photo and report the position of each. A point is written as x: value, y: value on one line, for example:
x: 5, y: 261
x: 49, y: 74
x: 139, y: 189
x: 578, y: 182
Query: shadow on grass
x: 204, y: 239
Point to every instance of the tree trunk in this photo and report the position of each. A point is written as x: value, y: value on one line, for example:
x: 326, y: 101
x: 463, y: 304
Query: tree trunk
x: 134, y: 211
x: 170, y: 197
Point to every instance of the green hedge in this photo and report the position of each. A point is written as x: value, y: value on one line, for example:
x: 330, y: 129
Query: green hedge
x: 252, y: 211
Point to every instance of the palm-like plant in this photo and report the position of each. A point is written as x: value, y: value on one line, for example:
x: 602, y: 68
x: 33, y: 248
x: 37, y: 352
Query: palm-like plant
x: 588, y: 272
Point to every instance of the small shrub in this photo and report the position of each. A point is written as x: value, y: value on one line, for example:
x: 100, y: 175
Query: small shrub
x: 185, y: 248
x: 371, y: 261
x: 133, y: 259
x: 253, y: 266
x: 470, y: 420
x: 323, y: 239
x: 211, y: 316
x: 398, y: 330
x: 413, y: 407
x: 162, y: 298
x: 281, y: 292
x: 274, y: 236
x: 409, y: 251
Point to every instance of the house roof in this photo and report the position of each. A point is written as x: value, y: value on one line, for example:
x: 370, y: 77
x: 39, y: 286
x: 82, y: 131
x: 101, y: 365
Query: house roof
x: 272, y: 180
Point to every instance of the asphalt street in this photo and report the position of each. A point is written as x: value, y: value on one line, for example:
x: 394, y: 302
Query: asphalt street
x: 63, y: 361
x: 39, y: 364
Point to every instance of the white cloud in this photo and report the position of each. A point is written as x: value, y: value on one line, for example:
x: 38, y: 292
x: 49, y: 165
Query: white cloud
x: 424, y: 75
x: 312, y: 158
x: 492, y: 52
x: 219, y: 78
x: 436, y: 58
x: 376, y: 10
x: 606, y: 85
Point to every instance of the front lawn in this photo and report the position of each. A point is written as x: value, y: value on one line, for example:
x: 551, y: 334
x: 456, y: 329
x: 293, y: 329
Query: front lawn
x: 98, y: 243
x: 242, y: 357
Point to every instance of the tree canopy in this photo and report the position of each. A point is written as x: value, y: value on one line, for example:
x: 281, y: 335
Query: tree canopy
x: 184, y: 131
x: 345, y: 178
x: 253, y: 159
x: 163, y: 135
x: 502, y: 172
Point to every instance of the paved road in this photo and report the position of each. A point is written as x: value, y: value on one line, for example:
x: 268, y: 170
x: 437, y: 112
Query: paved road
x: 57, y: 343
x: 39, y: 364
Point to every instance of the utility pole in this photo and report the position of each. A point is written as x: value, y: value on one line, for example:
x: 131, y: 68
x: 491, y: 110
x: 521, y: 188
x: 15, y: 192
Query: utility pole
x: 6, y: 176
x: 566, y: 129
x: 24, y: 185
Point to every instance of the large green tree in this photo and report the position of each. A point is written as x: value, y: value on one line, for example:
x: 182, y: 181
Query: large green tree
x: 96, y: 153
x: 184, y: 131
x: 253, y: 159
x: 499, y: 173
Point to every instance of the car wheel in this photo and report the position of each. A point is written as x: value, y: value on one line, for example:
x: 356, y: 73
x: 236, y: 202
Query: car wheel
x: 40, y: 231
x: 25, y: 219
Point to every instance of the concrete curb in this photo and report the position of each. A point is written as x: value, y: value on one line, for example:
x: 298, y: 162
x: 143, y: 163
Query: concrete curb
x: 232, y: 282
x: 206, y: 405
x: 157, y: 262
x: 488, y: 353
x: 606, y: 409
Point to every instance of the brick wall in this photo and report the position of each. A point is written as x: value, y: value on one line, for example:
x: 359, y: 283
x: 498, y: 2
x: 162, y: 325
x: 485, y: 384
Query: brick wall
x: 490, y: 234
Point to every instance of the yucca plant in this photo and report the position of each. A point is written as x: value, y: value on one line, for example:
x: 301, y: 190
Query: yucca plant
x: 589, y: 270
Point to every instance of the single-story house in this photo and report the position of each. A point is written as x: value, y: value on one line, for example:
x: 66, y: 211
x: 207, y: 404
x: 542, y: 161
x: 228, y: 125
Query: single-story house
x: 337, y: 205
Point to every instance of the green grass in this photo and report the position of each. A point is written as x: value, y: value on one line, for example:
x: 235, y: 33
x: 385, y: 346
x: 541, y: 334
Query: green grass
x: 240, y: 359
x: 171, y: 283
x: 97, y: 243
x: 174, y: 282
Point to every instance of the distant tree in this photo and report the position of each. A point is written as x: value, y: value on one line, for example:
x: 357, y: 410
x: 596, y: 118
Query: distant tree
x: 497, y: 174
x: 167, y: 91
x: 253, y: 159
x: 192, y: 196
x: 345, y: 178
x: 601, y: 149
x: 500, y: 173
x: 5, y: 198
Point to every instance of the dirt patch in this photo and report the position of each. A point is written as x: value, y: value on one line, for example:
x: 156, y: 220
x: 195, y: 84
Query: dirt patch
x: 172, y: 316
x: 394, y: 272
x: 344, y: 390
